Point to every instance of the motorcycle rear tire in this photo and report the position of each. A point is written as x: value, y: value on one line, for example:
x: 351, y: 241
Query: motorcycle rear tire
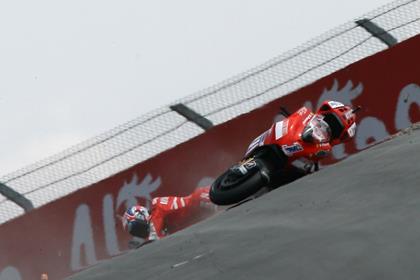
x: 244, y: 189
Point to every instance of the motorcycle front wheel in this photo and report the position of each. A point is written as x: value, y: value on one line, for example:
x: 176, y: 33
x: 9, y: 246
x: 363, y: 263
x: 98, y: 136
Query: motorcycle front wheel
x: 233, y: 186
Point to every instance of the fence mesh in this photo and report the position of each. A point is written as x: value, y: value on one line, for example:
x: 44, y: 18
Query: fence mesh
x: 159, y: 130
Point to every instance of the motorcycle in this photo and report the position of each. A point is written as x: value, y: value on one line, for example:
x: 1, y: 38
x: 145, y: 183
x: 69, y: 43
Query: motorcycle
x: 293, y: 145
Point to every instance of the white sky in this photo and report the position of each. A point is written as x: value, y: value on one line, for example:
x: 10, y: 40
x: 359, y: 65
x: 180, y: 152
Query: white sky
x: 70, y: 70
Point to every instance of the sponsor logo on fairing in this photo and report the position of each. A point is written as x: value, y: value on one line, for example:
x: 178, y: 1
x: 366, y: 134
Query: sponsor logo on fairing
x: 281, y: 129
x: 302, y: 111
x: 292, y: 149
x: 308, y: 118
x: 352, y: 130
x: 257, y: 142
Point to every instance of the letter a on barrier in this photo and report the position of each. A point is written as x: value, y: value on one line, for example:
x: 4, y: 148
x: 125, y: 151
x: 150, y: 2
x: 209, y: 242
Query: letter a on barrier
x: 82, y: 238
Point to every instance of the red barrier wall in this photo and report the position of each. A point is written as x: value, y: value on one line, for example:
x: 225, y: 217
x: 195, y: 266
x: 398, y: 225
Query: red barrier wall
x: 80, y: 229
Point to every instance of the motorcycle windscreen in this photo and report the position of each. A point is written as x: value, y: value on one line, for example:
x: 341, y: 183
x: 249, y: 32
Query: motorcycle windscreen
x: 316, y: 131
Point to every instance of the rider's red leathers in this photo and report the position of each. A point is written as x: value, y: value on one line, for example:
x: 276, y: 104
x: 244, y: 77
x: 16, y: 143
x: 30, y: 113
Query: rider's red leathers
x: 172, y: 213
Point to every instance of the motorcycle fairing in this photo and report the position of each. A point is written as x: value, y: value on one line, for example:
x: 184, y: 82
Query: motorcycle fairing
x: 287, y: 134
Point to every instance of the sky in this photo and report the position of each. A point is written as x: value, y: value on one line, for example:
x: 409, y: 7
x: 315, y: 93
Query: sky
x: 70, y: 70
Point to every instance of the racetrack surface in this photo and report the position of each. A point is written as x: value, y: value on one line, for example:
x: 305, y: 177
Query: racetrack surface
x: 358, y: 219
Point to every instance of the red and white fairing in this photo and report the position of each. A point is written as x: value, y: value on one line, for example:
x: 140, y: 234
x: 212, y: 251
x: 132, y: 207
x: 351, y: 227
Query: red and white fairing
x: 287, y: 134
